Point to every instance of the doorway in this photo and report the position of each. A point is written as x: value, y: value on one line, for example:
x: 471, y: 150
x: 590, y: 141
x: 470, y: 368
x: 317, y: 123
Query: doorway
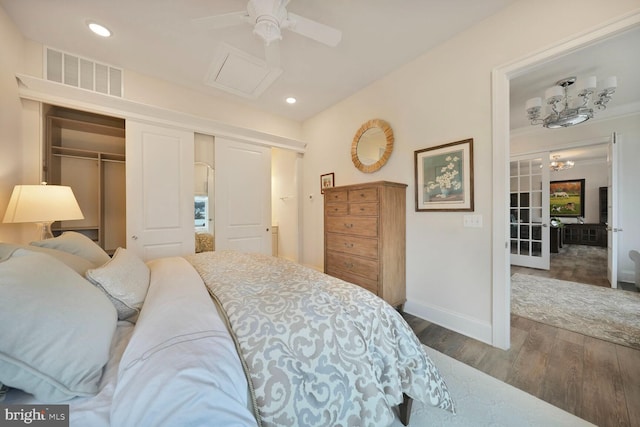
x: 576, y: 221
x: 501, y: 77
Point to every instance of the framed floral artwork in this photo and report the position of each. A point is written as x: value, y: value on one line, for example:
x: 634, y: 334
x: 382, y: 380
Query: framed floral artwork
x: 444, y: 177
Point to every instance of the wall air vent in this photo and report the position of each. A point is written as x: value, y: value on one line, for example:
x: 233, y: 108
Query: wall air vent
x: 82, y: 73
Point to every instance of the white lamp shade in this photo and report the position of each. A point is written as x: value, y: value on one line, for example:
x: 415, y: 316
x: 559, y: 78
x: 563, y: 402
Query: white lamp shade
x: 587, y: 84
x: 610, y: 83
x: 533, y: 103
x: 42, y: 203
x: 554, y: 93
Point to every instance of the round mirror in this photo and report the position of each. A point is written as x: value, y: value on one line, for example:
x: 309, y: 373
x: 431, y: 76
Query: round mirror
x: 372, y: 145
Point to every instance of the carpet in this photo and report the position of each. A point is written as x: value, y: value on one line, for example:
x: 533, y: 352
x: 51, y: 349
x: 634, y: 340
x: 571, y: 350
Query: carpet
x: 609, y: 314
x: 482, y: 400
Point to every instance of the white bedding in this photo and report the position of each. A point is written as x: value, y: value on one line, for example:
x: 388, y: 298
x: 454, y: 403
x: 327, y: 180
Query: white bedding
x: 177, y: 366
x: 181, y: 367
x: 179, y: 341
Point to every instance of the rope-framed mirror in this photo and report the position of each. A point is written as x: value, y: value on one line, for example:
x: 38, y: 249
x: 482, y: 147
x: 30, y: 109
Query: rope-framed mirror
x: 372, y: 145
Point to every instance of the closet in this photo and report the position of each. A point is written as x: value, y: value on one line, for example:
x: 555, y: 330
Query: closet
x: 87, y: 152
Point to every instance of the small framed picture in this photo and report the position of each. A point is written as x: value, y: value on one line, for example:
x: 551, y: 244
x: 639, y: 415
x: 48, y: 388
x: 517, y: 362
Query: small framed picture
x: 326, y: 181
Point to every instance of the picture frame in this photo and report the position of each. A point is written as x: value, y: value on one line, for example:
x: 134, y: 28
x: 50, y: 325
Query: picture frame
x: 326, y: 181
x: 566, y: 198
x: 444, y: 177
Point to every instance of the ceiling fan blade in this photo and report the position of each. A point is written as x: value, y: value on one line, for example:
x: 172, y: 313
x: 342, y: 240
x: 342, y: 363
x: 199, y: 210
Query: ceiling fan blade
x: 272, y: 54
x: 314, y: 30
x: 223, y: 21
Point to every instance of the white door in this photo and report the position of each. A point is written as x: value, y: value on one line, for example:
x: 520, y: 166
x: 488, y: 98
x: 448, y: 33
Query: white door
x: 529, y: 210
x: 612, y: 212
x: 160, y: 203
x: 243, y: 196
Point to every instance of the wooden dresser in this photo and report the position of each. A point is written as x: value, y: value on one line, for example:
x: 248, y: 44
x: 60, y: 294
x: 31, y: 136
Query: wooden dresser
x: 365, y: 235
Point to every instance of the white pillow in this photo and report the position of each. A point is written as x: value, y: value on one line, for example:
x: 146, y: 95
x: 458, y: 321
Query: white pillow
x: 125, y: 280
x: 77, y: 244
x: 56, y: 328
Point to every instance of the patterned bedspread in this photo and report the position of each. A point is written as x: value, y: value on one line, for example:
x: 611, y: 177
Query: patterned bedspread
x: 319, y: 351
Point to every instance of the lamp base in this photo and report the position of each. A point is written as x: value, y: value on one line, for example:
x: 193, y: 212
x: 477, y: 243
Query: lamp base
x: 45, y: 230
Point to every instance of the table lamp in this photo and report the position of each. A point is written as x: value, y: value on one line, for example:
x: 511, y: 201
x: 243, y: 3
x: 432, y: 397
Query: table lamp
x: 42, y: 204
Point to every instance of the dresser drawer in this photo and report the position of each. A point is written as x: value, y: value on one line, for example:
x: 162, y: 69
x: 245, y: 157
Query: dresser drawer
x: 358, y: 226
x: 350, y: 264
x: 360, y: 246
x: 336, y: 196
x: 336, y: 209
x: 368, y: 284
x: 366, y: 209
x: 364, y: 195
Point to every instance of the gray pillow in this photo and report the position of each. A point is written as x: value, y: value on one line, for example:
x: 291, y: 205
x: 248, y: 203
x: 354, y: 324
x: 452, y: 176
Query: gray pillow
x: 76, y: 244
x: 56, y: 328
x: 125, y: 280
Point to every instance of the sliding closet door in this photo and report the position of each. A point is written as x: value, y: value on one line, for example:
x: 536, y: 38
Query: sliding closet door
x: 160, y: 208
x: 243, y: 196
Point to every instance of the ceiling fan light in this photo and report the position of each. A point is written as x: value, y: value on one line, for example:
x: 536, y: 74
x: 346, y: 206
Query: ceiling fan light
x: 268, y: 29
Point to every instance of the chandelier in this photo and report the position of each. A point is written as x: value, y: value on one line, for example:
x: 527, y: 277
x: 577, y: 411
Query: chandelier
x: 557, y: 165
x: 566, y: 110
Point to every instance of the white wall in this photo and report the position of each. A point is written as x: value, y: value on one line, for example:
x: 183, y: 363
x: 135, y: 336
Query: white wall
x: 628, y: 131
x: 11, y: 59
x: 441, y: 97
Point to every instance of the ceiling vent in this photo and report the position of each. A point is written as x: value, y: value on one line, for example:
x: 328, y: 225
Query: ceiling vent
x: 239, y: 73
x: 82, y: 73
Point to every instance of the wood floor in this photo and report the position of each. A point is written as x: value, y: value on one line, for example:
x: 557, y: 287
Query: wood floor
x: 596, y: 380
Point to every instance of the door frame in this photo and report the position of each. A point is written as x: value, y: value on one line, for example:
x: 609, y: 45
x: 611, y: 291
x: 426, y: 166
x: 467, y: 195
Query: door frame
x: 500, y: 77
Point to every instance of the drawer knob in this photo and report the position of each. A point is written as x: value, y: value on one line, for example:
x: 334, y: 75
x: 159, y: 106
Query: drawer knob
x: 348, y: 245
x: 348, y: 265
x: 361, y: 209
x: 349, y: 225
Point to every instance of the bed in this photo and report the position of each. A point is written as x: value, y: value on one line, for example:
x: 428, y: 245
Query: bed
x: 216, y: 338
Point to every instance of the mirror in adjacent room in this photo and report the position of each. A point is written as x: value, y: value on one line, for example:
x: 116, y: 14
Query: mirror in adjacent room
x: 203, y: 191
x: 372, y: 145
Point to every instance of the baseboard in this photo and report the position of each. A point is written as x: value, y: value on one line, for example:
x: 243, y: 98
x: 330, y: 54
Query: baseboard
x: 627, y: 276
x: 456, y: 322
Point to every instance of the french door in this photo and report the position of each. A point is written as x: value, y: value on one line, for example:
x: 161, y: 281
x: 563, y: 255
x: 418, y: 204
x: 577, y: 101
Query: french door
x: 529, y: 210
x: 612, y: 212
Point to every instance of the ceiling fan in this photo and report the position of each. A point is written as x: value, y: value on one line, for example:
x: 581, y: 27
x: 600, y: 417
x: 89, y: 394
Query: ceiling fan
x: 268, y: 18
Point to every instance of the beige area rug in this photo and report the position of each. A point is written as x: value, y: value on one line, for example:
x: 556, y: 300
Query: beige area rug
x: 483, y: 401
x: 608, y: 314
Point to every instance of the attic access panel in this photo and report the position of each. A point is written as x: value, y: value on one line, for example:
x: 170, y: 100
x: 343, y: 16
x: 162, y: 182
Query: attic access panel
x: 240, y: 73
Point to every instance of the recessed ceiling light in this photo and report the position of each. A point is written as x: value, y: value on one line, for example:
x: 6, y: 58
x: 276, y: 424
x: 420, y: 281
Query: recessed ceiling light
x: 100, y: 30
x: 291, y: 100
